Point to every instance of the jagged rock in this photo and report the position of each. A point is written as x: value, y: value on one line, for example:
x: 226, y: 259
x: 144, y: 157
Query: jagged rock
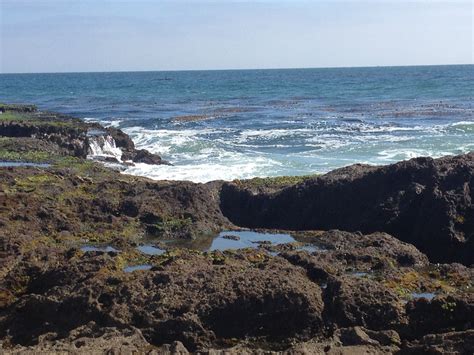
x: 426, y: 202
x: 69, y: 134
x: 354, y: 336
x: 231, y: 237
x: 144, y: 156
x: 349, y: 294
x: 445, y: 343
x: 122, y: 140
x: 273, y: 302
x: 440, y: 315
x: 362, y: 302
x: 18, y: 108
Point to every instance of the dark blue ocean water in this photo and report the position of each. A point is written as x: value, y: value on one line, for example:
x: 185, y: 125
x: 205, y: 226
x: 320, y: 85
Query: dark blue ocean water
x: 268, y: 122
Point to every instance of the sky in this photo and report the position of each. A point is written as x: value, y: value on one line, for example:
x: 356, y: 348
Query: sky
x: 133, y: 35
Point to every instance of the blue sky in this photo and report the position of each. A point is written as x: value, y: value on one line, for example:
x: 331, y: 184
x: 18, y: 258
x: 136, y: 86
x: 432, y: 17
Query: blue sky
x: 102, y: 35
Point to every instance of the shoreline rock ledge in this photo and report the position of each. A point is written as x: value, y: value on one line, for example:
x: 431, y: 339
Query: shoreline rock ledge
x: 96, y: 261
x: 71, y: 136
x: 423, y: 201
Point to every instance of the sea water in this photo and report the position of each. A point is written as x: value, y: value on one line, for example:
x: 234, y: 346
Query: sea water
x: 246, y: 123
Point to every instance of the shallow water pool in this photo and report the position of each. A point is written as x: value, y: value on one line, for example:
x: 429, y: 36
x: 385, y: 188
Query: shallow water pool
x: 151, y: 250
x: 19, y: 164
x: 272, y: 243
x: 231, y: 240
x: 137, y: 268
x: 105, y: 248
x: 359, y: 273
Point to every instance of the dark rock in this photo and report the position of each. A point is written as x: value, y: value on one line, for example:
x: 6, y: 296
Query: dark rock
x: 175, y: 348
x: 274, y: 302
x: 385, y: 337
x: 144, y: 156
x: 18, y: 108
x: 69, y: 135
x: 130, y: 208
x: 122, y: 140
x: 231, y: 237
x: 440, y: 315
x: 362, y: 302
x: 107, y: 159
x: 150, y: 218
x: 348, y: 295
x: 423, y: 201
x: 354, y: 336
x: 445, y: 343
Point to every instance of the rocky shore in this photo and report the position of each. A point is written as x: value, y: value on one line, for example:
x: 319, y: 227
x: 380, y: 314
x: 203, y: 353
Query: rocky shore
x: 381, y: 262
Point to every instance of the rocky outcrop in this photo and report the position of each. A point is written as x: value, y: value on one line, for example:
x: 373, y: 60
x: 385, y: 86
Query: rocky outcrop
x: 129, y: 152
x: 442, y: 314
x: 87, y: 201
x: 143, y: 156
x: 18, y: 108
x: 241, y: 301
x: 446, y: 343
x: 352, y: 301
x: 65, y: 137
x: 426, y: 202
x: 70, y: 134
x: 270, y: 300
x: 122, y: 140
x: 328, y: 291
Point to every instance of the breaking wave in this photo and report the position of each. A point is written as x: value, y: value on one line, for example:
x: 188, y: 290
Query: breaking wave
x: 207, y: 154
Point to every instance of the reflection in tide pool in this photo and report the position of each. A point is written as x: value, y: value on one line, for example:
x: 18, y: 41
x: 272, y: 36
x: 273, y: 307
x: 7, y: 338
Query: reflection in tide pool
x: 247, y: 239
x: 230, y: 240
x: 19, y: 164
x: 137, y: 268
x: 105, y: 248
x: 150, y: 250
x: 273, y: 243
x: 359, y: 273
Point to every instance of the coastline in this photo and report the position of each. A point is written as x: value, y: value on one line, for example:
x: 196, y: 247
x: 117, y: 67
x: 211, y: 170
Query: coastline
x: 356, y: 295
x: 216, y: 130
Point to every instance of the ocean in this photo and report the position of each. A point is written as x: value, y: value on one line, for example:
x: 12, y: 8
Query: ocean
x: 238, y: 124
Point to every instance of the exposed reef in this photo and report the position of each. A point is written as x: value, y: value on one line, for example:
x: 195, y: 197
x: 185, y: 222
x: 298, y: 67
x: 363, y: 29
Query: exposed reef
x: 426, y: 202
x: 65, y: 135
x: 75, y: 275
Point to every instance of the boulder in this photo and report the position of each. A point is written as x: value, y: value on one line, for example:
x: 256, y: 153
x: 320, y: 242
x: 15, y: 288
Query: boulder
x: 426, y: 202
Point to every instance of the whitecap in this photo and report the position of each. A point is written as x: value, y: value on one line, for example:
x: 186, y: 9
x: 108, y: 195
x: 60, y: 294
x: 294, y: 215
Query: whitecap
x: 409, y: 153
x: 240, y: 168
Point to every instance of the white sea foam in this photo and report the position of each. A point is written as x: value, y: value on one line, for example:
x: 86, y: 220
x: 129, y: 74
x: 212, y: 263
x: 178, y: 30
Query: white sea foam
x: 114, y: 123
x: 409, y: 153
x: 204, y: 172
x: 463, y: 123
x: 463, y: 126
x: 105, y: 123
x: 205, y: 154
x: 103, y: 147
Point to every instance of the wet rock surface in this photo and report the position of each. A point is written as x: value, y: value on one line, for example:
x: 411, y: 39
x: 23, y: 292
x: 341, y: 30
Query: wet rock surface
x: 72, y: 237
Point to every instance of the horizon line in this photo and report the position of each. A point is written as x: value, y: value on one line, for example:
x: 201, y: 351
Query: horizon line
x: 238, y: 69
